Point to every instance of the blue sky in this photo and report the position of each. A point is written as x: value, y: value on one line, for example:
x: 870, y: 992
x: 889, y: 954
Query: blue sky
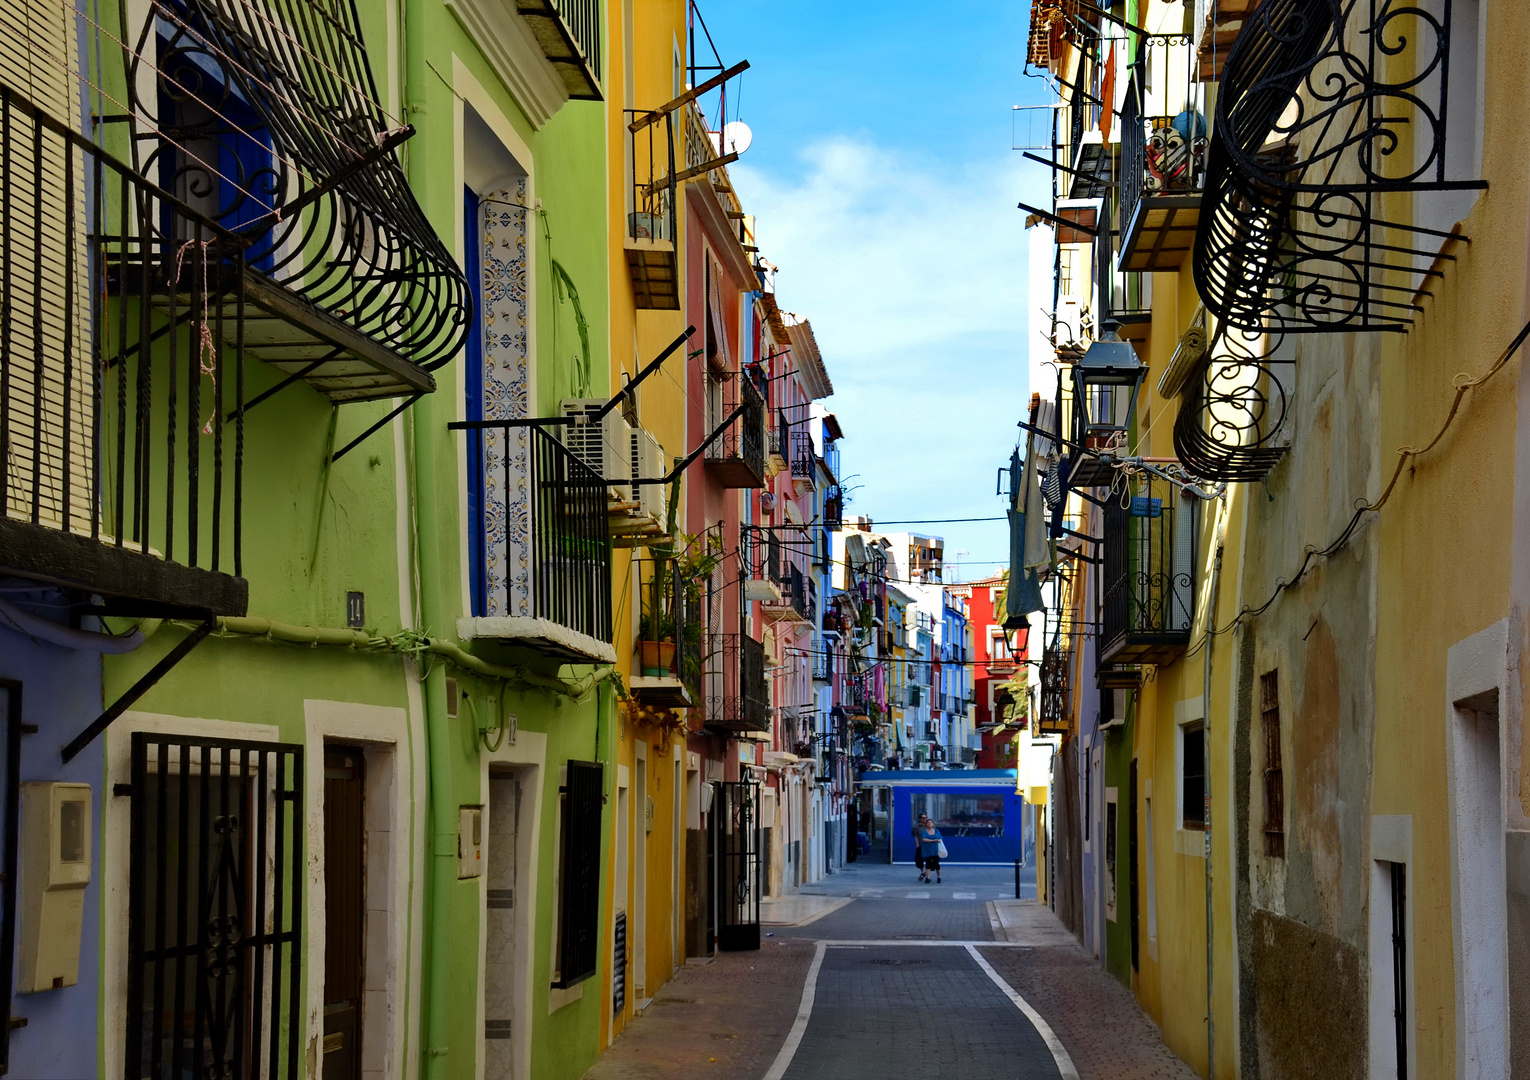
x: 884, y: 187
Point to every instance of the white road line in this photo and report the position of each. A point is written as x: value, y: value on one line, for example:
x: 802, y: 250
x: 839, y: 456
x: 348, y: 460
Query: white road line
x: 804, y: 1013
x: 918, y: 896
x: 964, y: 896
x: 1059, y: 1052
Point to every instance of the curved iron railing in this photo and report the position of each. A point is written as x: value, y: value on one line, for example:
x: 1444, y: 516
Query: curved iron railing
x: 1231, y: 424
x: 266, y: 118
x: 1314, y: 121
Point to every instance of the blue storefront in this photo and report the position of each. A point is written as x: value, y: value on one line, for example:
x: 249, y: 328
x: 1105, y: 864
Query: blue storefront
x: 978, y: 812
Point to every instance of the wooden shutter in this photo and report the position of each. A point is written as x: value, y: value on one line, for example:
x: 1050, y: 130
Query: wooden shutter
x: 50, y: 406
x: 580, y: 886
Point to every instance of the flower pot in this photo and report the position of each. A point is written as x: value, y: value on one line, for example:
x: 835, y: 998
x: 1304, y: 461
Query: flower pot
x: 656, y: 657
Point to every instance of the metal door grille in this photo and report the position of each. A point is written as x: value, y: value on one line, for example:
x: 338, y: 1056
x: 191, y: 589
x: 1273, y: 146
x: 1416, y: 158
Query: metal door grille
x: 737, y: 822
x: 215, y: 909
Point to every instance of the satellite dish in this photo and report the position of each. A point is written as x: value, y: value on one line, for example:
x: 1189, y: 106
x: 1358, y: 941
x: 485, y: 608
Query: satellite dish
x: 736, y: 137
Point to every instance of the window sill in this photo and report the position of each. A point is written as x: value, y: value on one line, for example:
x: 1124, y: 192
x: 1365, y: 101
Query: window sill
x: 1191, y: 842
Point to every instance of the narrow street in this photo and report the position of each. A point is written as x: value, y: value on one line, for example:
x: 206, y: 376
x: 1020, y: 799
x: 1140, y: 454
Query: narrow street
x: 873, y: 974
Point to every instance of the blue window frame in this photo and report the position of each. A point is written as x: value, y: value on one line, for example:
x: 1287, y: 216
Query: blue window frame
x: 473, y: 378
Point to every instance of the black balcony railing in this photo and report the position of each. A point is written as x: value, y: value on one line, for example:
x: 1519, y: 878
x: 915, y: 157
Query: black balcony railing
x: 737, y: 699
x: 737, y: 454
x: 1148, y: 576
x: 121, y: 395
x: 802, y: 454
x: 823, y: 661
x: 569, y: 33
x: 652, y: 264
x: 1307, y: 167
x: 1163, y: 157
x: 264, y: 115
x: 671, y: 607
x: 570, y: 546
x: 1056, y: 688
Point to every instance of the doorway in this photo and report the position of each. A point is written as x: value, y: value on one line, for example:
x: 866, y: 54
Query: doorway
x: 642, y: 820
x: 344, y: 910
x: 501, y: 894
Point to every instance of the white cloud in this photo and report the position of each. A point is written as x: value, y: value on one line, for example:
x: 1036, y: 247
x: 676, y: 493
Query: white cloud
x: 913, y: 272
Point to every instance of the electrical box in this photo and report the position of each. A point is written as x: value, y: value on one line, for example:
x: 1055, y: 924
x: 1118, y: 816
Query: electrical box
x: 55, y: 868
x: 470, y: 842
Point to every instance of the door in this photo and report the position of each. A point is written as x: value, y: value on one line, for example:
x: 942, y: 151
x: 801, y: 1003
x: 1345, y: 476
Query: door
x: 214, y: 963
x: 637, y: 930
x: 1131, y: 854
x: 501, y: 895
x: 736, y: 821
x: 344, y: 910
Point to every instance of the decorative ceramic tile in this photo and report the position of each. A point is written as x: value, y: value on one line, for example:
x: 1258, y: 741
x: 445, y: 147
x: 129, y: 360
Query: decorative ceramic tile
x: 506, y: 396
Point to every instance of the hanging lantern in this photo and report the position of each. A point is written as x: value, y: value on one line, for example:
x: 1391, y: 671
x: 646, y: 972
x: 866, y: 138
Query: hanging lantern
x: 1105, y: 383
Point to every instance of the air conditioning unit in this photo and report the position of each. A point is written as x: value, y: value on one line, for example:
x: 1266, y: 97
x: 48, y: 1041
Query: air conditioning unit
x: 605, y: 446
x: 648, y: 463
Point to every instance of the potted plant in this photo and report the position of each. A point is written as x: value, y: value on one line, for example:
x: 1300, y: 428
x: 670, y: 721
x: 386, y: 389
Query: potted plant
x: 656, y: 642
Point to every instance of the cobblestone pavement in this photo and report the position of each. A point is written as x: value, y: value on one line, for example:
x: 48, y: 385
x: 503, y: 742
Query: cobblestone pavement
x: 897, y: 994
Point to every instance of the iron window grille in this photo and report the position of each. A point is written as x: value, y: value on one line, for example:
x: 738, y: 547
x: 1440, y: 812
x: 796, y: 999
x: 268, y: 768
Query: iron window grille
x: 1148, y: 582
x: 121, y: 372
x: 1274, y: 775
x: 215, y: 908
x: 1056, y: 688
x: 579, y: 875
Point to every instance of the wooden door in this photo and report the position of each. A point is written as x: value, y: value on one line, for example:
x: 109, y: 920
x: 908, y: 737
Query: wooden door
x: 344, y: 910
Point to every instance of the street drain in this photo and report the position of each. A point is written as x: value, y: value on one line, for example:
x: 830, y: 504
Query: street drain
x: 896, y: 963
x: 917, y: 937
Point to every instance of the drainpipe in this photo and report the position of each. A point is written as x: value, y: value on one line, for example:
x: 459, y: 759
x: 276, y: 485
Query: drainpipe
x: 434, y: 609
x: 1211, y: 610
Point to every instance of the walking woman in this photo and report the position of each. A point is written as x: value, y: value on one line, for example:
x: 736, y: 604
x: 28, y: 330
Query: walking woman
x: 918, y: 848
x: 930, y: 846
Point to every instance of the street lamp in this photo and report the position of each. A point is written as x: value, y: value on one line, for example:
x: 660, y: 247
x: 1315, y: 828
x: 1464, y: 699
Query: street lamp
x: 1105, y: 383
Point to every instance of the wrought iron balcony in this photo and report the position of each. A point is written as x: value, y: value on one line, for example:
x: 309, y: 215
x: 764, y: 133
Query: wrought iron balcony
x: 1056, y: 688
x: 568, y: 32
x: 823, y: 661
x: 1148, y: 601
x: 559, y: 600
x: 834, y: 508
x: 1163, y: 157
x: 279, y: 137
x: 1326, y: 108
x: 793, y: 605
x: 652, y: 225
x: 737, y: 697
x: 670, y: 638
x: 121, y: 395
x: 737, y: 455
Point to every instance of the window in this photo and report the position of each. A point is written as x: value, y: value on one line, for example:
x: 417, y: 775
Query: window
x: 1193, y: 776
x: 1065, y: 270
x: 579, y: 880
x: 1274, y: 779
x: 1111, y: 825
x: 1088, y: 796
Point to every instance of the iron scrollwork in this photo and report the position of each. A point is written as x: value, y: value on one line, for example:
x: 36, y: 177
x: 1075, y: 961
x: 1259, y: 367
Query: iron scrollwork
x: 1318, y: 110
x: 264, y: 115
x: 1232, y: 422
